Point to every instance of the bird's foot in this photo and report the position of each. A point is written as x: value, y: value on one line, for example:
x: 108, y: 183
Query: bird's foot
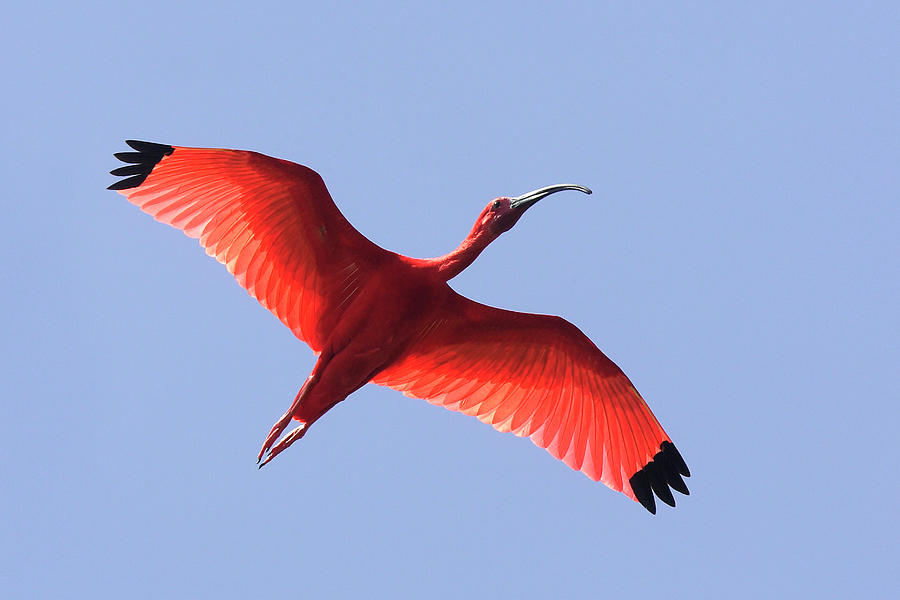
x: 280, y: 426
x: 293, y: 435
x: 274, y: 434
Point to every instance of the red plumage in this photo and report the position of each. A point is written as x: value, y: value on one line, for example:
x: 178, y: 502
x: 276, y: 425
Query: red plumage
x: 375, y: 316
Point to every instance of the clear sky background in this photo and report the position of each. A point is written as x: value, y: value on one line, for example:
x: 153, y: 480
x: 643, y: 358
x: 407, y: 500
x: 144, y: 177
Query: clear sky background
x: 738, y: 259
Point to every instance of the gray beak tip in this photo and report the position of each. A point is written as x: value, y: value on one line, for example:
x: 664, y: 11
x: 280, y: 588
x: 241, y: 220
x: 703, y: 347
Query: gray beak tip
x: 526, y: 200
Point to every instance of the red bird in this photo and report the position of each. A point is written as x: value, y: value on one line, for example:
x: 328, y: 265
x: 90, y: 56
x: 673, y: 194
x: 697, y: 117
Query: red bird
x: 371, y: 315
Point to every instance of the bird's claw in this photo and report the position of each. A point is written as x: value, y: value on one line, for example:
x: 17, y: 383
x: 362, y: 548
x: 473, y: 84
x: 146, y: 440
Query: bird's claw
x: 293, y: 435
x: 274, y: 433
x: 279, y: 426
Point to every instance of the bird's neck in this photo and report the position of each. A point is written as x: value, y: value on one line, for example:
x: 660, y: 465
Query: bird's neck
x: 452, y: 264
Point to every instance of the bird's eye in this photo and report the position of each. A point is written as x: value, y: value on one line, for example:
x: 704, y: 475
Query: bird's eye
x: 495, y: 205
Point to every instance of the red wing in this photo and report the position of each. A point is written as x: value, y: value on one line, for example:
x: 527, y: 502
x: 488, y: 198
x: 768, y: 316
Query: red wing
x: 271, y: 223
x: 539, y: 376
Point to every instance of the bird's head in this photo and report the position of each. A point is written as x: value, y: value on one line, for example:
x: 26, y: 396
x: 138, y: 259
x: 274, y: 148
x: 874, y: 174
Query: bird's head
x: 502, y: 213
x: 498, y: 216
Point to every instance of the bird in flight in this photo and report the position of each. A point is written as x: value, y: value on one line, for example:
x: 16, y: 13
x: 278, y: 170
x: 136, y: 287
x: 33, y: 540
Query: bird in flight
x: 372, y: 315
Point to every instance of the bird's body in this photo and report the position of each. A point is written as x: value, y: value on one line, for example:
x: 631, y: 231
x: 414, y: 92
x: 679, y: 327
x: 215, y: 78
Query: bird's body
x: 372, y: 315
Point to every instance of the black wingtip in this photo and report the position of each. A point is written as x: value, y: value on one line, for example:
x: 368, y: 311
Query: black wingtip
x: 140, y: 163
x: 640, y: 485
x: 150, y: 147
x: 658, y: 475
x: 674, y: 456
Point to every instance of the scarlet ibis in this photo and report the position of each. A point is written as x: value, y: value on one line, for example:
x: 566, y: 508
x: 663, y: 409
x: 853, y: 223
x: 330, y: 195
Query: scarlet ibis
x: 371, y: 315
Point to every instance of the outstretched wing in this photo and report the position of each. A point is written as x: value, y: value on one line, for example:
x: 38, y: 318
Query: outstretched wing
x: 271, y: 223
x: 539, y: 376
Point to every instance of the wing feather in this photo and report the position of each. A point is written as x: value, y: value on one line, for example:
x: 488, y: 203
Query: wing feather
x: 539, y: 376
x: 271, y: 222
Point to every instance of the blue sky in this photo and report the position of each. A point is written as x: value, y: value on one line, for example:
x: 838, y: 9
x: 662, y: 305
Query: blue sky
x: 738, y: 259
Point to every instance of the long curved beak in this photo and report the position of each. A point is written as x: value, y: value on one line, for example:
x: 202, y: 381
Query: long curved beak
x: 525, y: 200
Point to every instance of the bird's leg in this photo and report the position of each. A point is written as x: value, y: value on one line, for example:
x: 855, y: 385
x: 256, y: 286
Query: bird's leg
x: 293, y: 435
x: 331, y: 380
x: 282, y: 424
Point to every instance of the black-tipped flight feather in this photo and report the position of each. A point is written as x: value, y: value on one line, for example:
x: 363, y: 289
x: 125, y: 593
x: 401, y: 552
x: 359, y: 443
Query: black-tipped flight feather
x: 140, y: 164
